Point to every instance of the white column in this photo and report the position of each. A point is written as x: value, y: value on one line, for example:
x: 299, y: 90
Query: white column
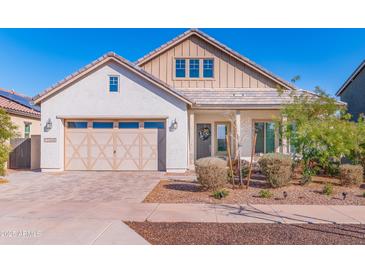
x: 285, y: 149
x: 238, y: 130
x: 191, y: 139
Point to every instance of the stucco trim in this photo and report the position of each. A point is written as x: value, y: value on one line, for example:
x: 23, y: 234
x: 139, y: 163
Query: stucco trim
x: 115, y: 117
x: 218, y: 45
x: 111, y: 56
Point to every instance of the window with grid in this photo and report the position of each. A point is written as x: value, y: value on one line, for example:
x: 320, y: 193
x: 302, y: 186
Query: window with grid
x: 194, y: 68
x: 180, y: 68
x: 208, y: 65
x: 113, y: 83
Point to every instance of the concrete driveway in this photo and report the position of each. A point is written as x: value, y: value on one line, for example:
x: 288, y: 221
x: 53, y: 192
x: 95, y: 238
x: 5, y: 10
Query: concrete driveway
x: 73, y: 207
x: 87, y: 186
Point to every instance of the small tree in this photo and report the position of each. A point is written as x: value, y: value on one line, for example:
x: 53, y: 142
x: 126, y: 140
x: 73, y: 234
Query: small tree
x: 318, y: 127
x: 7, y: 131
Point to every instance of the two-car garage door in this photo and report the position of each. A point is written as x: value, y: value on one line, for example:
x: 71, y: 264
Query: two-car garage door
x: 115, y: 145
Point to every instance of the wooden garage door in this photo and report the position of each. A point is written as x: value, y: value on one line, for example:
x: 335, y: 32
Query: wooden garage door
x: 115, y: 146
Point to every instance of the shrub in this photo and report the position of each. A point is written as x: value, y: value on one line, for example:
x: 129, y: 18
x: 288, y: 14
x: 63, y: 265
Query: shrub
x: 244, y: 168
x: 211, y: 172
x: 220, y: 194
x: 265, y: 193
x: 363, y: 194
x: 351, y: 174
x: 327, y: 189
x: 277, y: 168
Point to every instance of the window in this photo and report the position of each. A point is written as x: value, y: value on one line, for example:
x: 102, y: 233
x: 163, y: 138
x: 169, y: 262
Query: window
x: 154, y: 125
x: 221, y: 140
x: 77, y: 124
x: 128, y: 125
x: 102, y: 124
x: 208, y: 65
x: 113, y: 84
x: 180, y: 68
x: 194, y: 68
x: 265, y: 140
x: 26, y: 130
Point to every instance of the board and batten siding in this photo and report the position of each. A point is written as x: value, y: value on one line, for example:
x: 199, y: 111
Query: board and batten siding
x: 228, y: 72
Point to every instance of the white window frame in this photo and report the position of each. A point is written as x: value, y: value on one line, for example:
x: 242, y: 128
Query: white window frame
x: 118, y: 78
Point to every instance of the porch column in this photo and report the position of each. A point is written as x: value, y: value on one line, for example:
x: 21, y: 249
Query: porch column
x: 285, y: 149
x: 191, y: 139
x: 238, y: 132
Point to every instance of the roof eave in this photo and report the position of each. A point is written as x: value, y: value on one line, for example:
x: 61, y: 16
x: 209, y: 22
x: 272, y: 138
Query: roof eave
x: 351, y: 78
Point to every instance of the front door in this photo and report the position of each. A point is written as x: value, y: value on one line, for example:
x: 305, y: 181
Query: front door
x: 204, y: 140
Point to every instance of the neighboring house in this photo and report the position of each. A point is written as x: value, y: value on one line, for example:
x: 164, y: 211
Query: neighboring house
x: 23, y: 113
x: 353, y: 92
x: 171, y: 107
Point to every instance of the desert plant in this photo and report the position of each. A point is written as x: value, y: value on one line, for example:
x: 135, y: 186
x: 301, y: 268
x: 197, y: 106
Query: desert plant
x: 221, y: 193
x: 327, y: 189
x: 351, y: 174
x: 277, y: 168
x: 7, y: 131
x: 265, y: 193
x: 244, y: 168
x: 211, y: 173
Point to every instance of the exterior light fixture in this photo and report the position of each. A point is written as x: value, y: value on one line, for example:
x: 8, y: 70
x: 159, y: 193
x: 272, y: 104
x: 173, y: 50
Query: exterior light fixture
x: 48, y: 124
x: 174, y: 124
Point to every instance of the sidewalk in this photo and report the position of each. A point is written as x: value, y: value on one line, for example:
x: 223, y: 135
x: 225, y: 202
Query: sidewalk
x: 229, y: 213
x: 102, y: 223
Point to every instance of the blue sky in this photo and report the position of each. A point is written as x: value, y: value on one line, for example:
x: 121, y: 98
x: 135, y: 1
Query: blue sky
x: 34, y: 59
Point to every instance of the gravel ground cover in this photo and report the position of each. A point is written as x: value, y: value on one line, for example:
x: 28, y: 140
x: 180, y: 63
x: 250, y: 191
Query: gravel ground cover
x: 251, y: 234
x: 184, y: 189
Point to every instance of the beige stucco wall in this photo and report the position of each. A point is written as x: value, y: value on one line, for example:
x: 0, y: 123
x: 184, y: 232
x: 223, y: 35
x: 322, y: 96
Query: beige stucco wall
x: 248, y: 117
x: 35, y: 128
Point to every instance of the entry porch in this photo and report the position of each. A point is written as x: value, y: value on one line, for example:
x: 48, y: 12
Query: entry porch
x: 208, y: 129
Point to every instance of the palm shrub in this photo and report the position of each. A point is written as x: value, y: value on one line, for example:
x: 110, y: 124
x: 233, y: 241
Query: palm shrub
x: 211, y: 173
x: 351, y: 174
x: 277, y: 168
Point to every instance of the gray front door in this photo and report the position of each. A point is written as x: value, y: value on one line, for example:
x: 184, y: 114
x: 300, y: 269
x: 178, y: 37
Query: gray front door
x: 203, y: 140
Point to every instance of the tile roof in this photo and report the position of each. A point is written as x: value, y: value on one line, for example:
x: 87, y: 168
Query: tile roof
x: 14, y: 107
x: 239, y: 98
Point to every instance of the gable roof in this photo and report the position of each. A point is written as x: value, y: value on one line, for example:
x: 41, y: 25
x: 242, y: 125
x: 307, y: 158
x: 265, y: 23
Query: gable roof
x: 15, y: 103
x: 351, y: 78
x: 110, y: 56
x: 218, y: 45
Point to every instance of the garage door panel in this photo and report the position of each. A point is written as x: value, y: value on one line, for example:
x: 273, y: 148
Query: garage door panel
x: 111, y: 149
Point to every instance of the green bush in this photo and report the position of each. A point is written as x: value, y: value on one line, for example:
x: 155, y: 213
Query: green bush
x: 327, y: 189
x: 220, y: 194
x: 211, y: 173
x: 351, y: 174
x: 265, y: 193
x: 277, y: 168
x: 363, y: 194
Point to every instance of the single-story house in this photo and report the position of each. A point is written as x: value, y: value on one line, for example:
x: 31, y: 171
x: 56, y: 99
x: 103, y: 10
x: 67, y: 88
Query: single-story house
x: 25, y: 115
x: 353, y: 92
x: 169, y: 108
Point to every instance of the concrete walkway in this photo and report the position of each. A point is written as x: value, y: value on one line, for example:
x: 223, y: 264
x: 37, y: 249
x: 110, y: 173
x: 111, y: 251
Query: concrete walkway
x: 229, y: 213
x: 102, y: 223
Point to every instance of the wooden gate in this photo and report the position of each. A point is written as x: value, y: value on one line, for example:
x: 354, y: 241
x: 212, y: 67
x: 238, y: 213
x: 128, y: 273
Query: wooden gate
x: 20, y: 156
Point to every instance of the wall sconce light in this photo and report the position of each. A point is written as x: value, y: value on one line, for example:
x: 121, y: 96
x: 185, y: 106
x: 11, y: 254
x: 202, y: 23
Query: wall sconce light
x: 174, y: 124
x: 48, y: 124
